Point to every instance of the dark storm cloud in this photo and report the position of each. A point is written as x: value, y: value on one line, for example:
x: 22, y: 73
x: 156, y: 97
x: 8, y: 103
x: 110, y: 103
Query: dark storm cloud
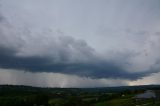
x: 97, y: 69
x: 60, y: 54
x: 27, y: 41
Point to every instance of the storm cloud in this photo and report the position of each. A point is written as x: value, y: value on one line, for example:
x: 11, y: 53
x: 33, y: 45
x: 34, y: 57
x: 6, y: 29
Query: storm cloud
x: 60, y: 54
x: 96, y: 39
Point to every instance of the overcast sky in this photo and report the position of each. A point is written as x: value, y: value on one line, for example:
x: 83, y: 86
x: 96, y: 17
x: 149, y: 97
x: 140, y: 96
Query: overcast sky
x: 79, y: 43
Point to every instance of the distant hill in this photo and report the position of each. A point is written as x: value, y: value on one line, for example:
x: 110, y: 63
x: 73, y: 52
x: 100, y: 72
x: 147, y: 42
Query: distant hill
x: 7, y: 88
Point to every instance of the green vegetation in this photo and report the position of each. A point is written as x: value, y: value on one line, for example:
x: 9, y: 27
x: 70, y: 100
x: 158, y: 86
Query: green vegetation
x: 128, y: 101
x: 34, y: 96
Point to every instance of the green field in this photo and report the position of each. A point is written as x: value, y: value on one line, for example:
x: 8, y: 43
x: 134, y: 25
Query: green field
x: 34, y: 96
x: 128, y: 102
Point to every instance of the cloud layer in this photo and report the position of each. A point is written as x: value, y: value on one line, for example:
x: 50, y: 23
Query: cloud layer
x: 107, y: 39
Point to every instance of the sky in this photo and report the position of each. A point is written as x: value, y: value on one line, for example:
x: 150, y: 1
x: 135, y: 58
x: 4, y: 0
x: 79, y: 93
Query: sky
x: 79, y: 43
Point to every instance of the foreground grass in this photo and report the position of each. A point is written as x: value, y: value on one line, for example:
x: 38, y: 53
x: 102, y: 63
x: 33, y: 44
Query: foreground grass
x: 117, y: 102
x: 127, y: 101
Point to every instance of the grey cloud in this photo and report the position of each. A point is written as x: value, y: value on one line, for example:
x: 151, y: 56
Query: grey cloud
x: 26, y: 46
x: 97, y: 69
